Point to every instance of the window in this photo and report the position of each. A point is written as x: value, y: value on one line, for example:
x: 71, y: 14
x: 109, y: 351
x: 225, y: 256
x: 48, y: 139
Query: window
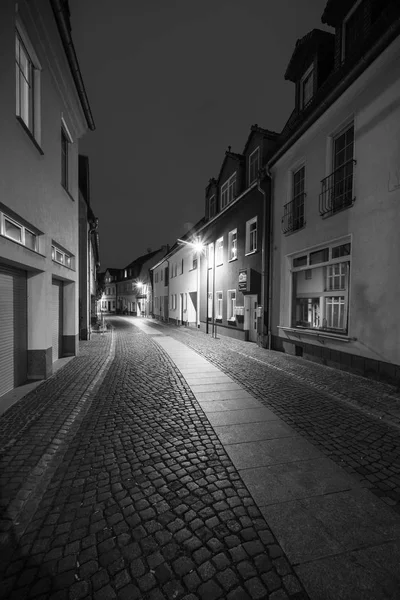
x: 181, y: 267
x: 174, y: 301
x: 232, y: 245
x: 228, y: 191
x: 162, y: 274
x: 251, y: 235
x: 24, y: 84
x: 210, y: 305
x: 156, y: 277
x: 254, y: 165
x: 231, y: 305
x: 125, y: 273
x: 61, y: 257
x: 194, y: 261
x: 307, y: 87
x: 321, y: 289
x: 185, y: 301
x: 18, y: 232
x: 212, y: 205
x: 210, y: 255
x: 353, y: 30
x: 337, y: 188
x: 219, y: 251
x: 293, y: 211
x: 218, y: 306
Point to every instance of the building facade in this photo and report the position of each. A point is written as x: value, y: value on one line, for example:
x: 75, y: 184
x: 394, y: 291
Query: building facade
x: 108, y: 301
x: 89, y: 258
x: 336, y: 195
x: 234, y: 271
x: 44, y: 111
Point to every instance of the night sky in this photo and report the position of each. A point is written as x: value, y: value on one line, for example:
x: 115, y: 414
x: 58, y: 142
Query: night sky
x: 171, y: 84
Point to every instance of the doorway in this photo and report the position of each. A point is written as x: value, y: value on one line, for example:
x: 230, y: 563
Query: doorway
x: 250, y: 316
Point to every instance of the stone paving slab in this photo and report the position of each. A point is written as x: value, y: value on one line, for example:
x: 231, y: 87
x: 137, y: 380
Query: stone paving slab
x: 250, y: 432
x: 239, y: 404
x: 334, y: 523
x: 270, y: 452
x: 209, y: 396
x: 294, y: 480
x: 215, y: 387
x: 249, y: 415
x: 366, y: 574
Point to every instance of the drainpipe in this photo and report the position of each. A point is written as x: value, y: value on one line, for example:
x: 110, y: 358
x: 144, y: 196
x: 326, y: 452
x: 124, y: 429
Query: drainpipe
x: 91, y: 230
x: 263, y: 261
x: 270, y: 256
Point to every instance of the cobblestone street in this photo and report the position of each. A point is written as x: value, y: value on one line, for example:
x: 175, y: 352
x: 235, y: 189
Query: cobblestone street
x: 119, y: 481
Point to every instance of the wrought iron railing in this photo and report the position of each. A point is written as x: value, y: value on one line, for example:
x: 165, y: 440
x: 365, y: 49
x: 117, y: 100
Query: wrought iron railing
x: 293, y: 215
x: 337, y: 189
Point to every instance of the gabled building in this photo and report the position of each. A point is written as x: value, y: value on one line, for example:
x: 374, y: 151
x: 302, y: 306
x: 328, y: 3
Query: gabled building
x: 108, y: 302
x: 89, y: 258
x: 234, y: 272
x: 135, y: 285
x: 336, y: 194
x: 44, y: 111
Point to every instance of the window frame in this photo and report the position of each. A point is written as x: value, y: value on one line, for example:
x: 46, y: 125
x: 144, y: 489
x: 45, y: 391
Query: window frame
x: 33, y: 129
x: 228, y: 191
x: 23, y: 229
x: 322, y: 297
x: 253, y: 179
x: 231, y: 246
x: 67, y: 258
x: 306, y: 76
x: 250, y: 235
x: 231, y: 305
x: 219, y: 251
x: 219, y: 305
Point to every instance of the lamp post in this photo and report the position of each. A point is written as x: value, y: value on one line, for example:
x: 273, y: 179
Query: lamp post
x: 198, y: 247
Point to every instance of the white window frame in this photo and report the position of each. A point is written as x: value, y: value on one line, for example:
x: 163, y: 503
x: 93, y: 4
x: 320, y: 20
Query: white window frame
x: 67, y: 259
x: 232, y: 245
x: 228, y: 191
x: 219, y: 301
x: 35, y: 129
x: 5, y: 217
x: 255, y: 153
x: 303, y: 80
x: 219, y: 251
x: 231, y: 306
x: 210, y: 304
x: 327, y: 293
x: 251, y: 236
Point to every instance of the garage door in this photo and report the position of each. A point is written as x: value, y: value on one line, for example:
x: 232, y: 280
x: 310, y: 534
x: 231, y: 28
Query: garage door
x: 56, y: 309
x: 13, y: 329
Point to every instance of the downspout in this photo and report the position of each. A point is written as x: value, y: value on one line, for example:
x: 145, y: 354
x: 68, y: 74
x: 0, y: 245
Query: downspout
x: 263, y: 261
x: 270, y: 256
x: 90, y: 232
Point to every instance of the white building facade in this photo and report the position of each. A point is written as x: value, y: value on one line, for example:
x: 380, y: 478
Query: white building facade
x: 44, y: 111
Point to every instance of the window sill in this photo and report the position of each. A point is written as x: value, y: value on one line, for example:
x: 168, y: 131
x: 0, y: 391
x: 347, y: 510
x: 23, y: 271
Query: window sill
x: 68, y: 193
x: 332, y: 213
x: 30, y: 135
x: 232, y: 259
x: 252, y: 252
x: 318, y: 334
x: 61, y: 265
x: 292, y: 231
x: 219, y: 265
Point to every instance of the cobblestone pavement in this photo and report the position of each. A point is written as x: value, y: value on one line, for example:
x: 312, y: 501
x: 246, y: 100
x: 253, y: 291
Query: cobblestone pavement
x: 133, y: 494
x: 352, y: 420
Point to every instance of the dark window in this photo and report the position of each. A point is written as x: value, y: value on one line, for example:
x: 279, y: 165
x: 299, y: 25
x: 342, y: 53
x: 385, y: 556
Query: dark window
x: 339, y: 251
x: 319, y: 256
x: 300, y: 261
x: 354, y: 30
x: 64, y: 159
x: 24, y: 84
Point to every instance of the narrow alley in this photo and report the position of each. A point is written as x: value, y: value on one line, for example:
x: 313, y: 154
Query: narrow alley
x: 161, y: 463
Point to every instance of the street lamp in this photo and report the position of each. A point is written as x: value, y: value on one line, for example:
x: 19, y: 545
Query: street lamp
x: 198, y: 247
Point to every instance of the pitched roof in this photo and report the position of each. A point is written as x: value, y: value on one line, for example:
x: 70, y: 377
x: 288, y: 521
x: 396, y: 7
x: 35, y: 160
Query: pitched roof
x: 305, y: 48
x: 256, y: 129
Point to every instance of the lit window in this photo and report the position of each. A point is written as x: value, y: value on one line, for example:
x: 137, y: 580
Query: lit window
x: 320, y: 293
x: 231, y: 305
x: 61, y: 257
x: 210, y: 255
x: 232, y: 245
x: 219, y: 251
x: 18, y: 232
x: 251, y: 235
x: 307, y: 87
x: 228, y: 191
x: 218, y: 305
x: 254, y: 165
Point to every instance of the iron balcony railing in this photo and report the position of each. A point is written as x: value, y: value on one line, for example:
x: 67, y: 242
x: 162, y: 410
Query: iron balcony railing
x: 293, y: 215
x: 337, y: 189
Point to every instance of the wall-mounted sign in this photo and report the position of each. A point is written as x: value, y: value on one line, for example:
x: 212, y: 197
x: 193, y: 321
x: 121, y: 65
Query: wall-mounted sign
x: 243, y: 280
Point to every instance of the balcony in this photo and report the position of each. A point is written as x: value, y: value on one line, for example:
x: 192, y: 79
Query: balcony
x: 337, y: 189
x: 293, y: 216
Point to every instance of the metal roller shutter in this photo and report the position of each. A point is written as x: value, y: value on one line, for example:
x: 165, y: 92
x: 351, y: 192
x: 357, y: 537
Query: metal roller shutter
x: 13, y: 328
x: 56, y: 310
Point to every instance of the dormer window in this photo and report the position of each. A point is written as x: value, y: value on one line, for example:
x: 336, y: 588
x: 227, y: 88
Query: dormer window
x: 228, y: 191
x: 353, y: 31
x: 211, y: 207
x: 307, y: 87
x: 254, y: 165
